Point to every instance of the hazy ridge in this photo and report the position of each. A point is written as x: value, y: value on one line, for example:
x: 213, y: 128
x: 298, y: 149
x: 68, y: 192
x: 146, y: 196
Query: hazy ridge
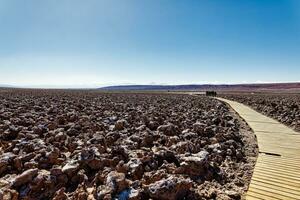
x: 243, y: 87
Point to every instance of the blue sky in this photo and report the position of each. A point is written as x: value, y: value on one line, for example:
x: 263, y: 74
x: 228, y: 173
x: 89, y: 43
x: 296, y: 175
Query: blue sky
x: 75, y: 43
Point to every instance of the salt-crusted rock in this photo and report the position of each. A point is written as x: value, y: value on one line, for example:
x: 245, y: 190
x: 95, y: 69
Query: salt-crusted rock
x: 120, y: 124
x: 168, y: 129
x: 60, y: 194
x: 70, y: 168
x: 5, y: 161
x: 89, y: 145
x: 170, y: 188
x: 25, y: 177
x: 92, y: 158
x: 8, y: 194
x: 194, y: 165
x: 116, y: 181
x: 129, y: 194
x: 135, y: 167
x: 152, y: 125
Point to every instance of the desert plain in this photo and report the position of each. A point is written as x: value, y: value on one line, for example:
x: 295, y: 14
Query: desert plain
x: 87, y: 144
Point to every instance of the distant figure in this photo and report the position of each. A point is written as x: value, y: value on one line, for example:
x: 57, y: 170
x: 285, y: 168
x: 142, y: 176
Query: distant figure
x: 211, y: 93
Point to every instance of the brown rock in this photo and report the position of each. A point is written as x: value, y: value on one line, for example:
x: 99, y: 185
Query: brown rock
x: 199, y: 127
x: 25, y: 177
x: 194, y: 165
x: 70, y: 168
x: 116, y: 181
x: 120, y: 124
x: 5, y: 160
x: 171, y: 188
x: 135, y: 167
x: 60, y: 194
x: 9, y: 194
x: 169, y: 129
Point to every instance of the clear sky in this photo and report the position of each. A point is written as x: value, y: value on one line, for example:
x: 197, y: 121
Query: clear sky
x: 76, y: 43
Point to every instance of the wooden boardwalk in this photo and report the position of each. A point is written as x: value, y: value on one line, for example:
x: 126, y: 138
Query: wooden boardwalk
x: 277, y: 171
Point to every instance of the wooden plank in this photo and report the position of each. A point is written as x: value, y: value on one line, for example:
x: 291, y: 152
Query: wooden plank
x: 267, y: 194
x: 280, y: 188
x: 293, y: 168
x: 280, y: 159
x: 274, y: 177
x: 276, y: 181
x: 274, y: 191
x: 276, y: 170
x: 280, y: 163
x: 258, y: 196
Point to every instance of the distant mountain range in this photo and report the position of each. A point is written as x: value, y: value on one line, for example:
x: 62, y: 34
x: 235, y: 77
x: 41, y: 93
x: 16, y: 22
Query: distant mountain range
x: 199, y: 87
x: 203, y: 87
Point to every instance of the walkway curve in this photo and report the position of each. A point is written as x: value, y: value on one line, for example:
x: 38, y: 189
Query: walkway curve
x: 277, y: 170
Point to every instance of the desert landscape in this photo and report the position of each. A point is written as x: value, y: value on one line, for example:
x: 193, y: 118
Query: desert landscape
x: 89, y: 145
x: 149, y: 100
x: 92, y: 144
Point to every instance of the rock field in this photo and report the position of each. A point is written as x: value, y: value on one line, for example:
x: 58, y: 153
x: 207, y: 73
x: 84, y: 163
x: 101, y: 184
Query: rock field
x: 282, y: 107
x: 57, y: 144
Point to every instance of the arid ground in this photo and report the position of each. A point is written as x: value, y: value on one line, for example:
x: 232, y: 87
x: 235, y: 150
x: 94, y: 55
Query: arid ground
x: 65, y: 144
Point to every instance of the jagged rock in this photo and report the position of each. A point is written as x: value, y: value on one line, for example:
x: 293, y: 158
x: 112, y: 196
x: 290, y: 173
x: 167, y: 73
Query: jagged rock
x: 25, y: 177
x: 135, y: 167
x: 170, y: 188
x: 61, y: 136
x: 189, y: 135
x: 168, y: 129
x: 60, y: 194
x: 91, y: 145
x: 199, y: 127
x: 120, y: 124
x: 233, y: 195
x: 152, y: 125
x: 39, y: 130
x: 135, y: 195
x: 9, y: 194
x: 153, y: 176
x: 56, y: 171
x: 129, y: 194
x: 80, y: 193
x: 5, y: 160
x: 111, y: 138
x: 91, y: 157
x: 166, y: 155
x: 116, y: 181
x: 147, y: 139
x: 104, y: 192
x: 70, y: 168
x: 172, y: 141
x: 72, y: 132
x: 17, y: 164
x: 183, y: 147
x: 43, y: 185
x: 194, y: 165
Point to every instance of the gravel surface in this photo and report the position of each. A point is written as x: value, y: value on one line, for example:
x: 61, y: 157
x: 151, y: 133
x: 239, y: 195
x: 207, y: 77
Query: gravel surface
x: 57, y: 144
x: 283, y: 107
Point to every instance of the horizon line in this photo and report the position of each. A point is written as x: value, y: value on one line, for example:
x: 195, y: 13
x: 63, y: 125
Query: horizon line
x: 94, y: 86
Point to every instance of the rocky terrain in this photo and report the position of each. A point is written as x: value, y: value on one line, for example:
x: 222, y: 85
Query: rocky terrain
x: 282, y: 107
x: 60, y: 145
